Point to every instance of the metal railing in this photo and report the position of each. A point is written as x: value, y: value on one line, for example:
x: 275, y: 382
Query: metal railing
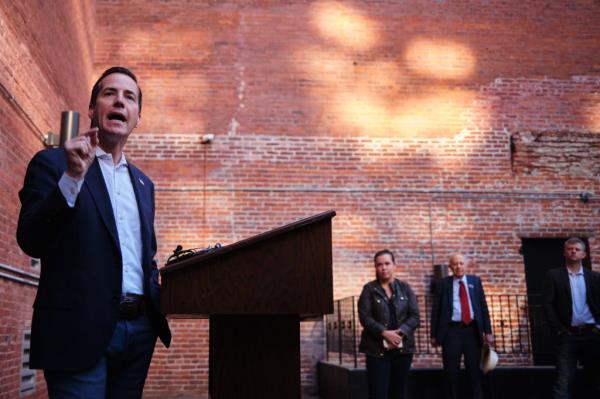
x: 517, y: 323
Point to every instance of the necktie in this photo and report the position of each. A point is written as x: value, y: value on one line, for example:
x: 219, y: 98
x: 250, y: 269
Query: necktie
x: 464, y: 303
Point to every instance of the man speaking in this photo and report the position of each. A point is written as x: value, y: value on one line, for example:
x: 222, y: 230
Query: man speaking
x: 88, y: 214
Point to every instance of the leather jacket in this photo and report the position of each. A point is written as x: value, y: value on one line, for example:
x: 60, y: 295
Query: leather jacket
x: 373, y: 313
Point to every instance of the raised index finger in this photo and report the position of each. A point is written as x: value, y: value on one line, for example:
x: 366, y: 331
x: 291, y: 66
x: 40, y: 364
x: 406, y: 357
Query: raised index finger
x: 91, y: 136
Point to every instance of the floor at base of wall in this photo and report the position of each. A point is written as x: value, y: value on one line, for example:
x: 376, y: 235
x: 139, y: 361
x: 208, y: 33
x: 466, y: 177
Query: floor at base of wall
x: 304, y: 396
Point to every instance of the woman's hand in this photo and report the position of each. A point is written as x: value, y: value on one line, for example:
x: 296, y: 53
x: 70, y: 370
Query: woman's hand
x: 393, y: 338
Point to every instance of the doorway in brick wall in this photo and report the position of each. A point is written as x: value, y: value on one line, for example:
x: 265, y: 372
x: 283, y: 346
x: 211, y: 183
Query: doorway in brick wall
x: 540, y: 255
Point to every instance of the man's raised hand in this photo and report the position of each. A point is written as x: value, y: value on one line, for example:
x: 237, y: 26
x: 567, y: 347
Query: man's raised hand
x: 81, y: 151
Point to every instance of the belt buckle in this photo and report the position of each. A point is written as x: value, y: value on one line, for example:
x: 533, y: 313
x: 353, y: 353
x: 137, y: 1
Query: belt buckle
x: 578, y: 330
x: 129, y: 308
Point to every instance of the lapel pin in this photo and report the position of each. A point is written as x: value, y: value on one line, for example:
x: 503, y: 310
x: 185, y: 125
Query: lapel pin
x: 141, y: 181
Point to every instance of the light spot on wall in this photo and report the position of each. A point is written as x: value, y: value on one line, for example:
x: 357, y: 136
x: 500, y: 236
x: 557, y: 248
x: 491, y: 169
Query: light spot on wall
x: 344, y: 25
x: 439, y: 114
x: 324, y: 66
x: 433, y: 115
x: 593, y: 111
x: 437, y: 59
x: 368, y: 95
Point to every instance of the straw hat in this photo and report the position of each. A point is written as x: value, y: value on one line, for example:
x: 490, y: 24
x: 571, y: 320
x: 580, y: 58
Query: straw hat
x: 489, y: 359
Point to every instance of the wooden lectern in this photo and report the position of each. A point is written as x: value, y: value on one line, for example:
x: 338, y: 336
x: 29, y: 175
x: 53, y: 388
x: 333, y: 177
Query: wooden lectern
x: 255, y: 293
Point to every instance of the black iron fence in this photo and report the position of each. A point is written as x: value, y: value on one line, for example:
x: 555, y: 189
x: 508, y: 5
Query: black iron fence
x: 521, y: 333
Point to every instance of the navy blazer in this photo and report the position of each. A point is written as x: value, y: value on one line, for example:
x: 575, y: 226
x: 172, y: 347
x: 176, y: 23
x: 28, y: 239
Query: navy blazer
x: 441, y: 313
x: 558, y: 302
x: 76, y: 306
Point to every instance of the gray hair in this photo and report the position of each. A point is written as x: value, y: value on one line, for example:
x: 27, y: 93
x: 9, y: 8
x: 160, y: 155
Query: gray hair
x: 576, y: 240
x: 453, y: 254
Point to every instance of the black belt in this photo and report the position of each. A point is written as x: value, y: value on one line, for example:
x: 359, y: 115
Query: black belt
x: 461, y: 324
x: 132, y: 306
x: 583, y: 329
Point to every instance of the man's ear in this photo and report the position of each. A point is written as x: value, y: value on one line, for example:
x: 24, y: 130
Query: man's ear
x: 90, y: 113
x: 139, y: 121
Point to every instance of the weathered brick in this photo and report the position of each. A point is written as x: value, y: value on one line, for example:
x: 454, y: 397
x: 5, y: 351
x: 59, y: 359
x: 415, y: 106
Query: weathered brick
x: 407, y: 118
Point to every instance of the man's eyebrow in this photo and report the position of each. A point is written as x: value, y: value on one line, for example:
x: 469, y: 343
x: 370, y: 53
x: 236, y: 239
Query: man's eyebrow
x: 127, y: 91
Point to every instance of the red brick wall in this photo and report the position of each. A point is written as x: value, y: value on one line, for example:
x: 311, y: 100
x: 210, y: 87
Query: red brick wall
x: 46, y: 51
x: 556, y: 152
x: 398, y: 115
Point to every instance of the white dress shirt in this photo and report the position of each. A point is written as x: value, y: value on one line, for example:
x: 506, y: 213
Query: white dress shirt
x: 456, y: 309
x: 581, y: 311
x: 125, y: 210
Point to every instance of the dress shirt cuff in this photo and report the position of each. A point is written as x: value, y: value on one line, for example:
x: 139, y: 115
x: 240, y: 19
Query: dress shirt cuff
x: 70, y: 188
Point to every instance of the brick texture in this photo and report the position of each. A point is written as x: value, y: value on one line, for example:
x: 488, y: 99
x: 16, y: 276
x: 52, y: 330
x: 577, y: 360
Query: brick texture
x: 561, y: 153
x: 46, y: 59
x: 429, y: 126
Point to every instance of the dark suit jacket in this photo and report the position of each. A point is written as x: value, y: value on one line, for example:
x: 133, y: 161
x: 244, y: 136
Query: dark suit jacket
x: 76, y: 306
x: 558, y: 304
x: 441, y: 313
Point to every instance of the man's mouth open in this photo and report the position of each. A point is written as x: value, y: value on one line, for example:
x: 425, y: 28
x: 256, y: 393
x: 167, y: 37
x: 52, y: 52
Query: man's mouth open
x: 115, y: 116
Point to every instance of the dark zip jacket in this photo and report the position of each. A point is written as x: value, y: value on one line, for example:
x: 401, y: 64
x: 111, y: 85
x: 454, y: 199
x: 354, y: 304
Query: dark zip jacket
x: 374, y: 316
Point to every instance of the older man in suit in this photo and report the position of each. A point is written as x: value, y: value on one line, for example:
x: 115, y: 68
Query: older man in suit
x: 460, y: 322
x: 572, y: 306
x: 88, y: 214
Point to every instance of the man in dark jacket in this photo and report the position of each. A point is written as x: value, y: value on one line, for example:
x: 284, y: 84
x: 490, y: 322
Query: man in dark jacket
x: 88, y: 214
x: 460, y: 323
x: 572, y: 306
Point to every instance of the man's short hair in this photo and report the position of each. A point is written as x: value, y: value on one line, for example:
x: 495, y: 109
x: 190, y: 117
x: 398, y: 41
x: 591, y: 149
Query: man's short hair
x: 117, y: 69
x: 453, y: 254
x: 576, y: 240
x: 384, y: 252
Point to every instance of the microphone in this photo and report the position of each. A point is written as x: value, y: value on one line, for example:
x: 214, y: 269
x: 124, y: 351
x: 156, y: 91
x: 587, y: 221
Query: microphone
x: 69, y: 125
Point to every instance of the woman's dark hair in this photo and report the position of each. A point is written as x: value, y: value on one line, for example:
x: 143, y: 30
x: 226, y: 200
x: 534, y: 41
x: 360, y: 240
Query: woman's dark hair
x: 97, y: 87
x: 384, y: 252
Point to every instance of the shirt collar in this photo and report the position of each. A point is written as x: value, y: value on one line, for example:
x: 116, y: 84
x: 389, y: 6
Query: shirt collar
x: 101, y: 154
x: 463, y: 279
x: 579, y: 273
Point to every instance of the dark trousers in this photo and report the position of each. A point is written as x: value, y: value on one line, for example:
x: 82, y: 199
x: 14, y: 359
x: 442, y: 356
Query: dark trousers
x: 462, y: 340
x: 387, y: 375
x: 119, y: 374
x: 585, y: 348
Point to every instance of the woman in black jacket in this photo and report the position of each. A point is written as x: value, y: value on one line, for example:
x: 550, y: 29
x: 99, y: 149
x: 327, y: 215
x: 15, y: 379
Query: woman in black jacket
x: 389, y: 314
